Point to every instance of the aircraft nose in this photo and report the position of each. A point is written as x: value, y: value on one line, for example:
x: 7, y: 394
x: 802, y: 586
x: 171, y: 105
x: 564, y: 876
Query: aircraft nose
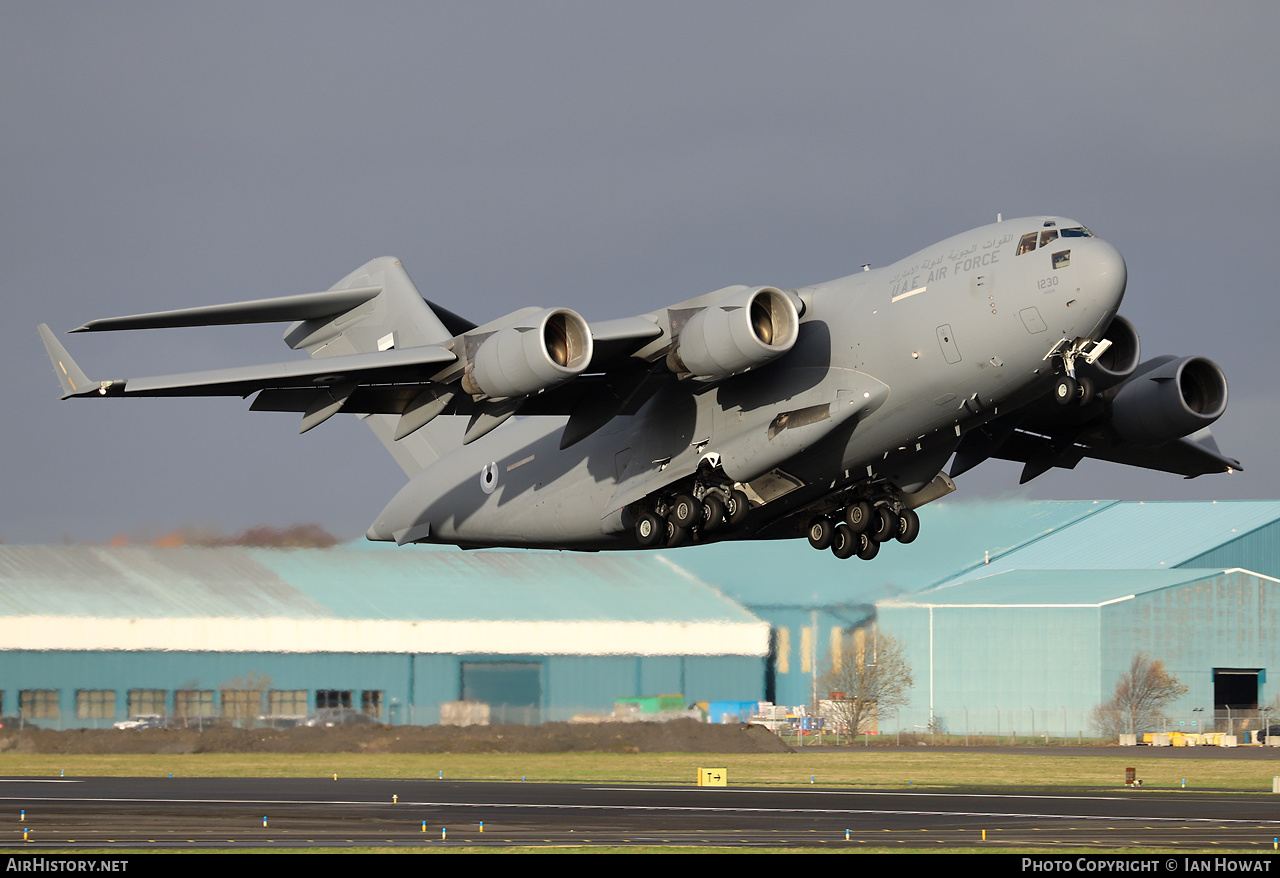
x: 1105, y: 274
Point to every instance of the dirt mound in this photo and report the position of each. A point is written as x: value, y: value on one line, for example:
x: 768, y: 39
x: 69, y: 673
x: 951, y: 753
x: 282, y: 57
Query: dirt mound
x: 679, y: 736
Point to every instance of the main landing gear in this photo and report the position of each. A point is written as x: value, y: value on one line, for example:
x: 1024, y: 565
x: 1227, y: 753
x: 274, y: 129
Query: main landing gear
x: 673, y: 521
x: 861, y: 527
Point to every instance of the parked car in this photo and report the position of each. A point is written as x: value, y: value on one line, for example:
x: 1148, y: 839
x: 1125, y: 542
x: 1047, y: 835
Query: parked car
x: 327, y: 717
x: 142, y: 721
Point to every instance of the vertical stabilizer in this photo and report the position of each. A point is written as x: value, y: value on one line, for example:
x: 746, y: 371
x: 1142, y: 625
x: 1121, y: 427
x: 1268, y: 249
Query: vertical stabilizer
x: 397, y: 317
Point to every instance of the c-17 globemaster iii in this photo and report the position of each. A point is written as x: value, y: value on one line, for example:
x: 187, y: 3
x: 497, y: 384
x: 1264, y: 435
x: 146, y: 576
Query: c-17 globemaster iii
x: 829, y: 410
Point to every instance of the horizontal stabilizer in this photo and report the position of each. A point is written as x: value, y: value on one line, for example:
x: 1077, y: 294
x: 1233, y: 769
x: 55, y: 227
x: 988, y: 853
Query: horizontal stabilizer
x: 72, y: 379
x: 308, y: 306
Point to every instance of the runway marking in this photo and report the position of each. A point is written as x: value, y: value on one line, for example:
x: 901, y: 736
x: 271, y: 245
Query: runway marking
x: 674, y: 808
x: 799, y: 792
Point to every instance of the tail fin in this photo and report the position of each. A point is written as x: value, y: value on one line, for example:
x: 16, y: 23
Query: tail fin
x: 397, y: 317
x: 375, y: 308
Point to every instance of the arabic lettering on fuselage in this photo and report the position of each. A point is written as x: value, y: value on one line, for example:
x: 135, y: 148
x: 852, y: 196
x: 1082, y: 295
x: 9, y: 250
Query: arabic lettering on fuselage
x: 954, y: 262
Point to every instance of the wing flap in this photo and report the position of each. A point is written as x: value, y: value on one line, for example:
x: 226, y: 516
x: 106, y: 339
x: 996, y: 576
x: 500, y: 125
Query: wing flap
x: 410, y: 365
x: 1190, y: 456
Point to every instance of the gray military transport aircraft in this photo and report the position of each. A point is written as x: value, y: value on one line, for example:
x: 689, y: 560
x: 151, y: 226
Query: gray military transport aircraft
x: 747, y: 413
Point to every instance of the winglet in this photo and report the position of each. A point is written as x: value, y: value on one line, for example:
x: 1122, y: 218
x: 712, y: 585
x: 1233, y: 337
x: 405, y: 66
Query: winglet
x: 74, y: 381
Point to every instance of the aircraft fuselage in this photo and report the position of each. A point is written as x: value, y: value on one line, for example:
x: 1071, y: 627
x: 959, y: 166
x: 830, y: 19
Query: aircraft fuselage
x: 891, y: 367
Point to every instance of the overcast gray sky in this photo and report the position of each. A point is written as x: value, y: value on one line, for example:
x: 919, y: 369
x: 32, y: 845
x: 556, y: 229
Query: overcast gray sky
x: 610, y: 157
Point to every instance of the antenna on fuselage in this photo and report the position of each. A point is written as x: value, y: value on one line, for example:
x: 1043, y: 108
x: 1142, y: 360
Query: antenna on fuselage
x: 999, y: 218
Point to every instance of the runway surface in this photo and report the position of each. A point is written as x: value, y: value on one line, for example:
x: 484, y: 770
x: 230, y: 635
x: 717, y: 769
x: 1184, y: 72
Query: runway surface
x: 202, y: 812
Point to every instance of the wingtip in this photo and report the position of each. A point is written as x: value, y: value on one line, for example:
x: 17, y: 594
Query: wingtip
x: 72, y: 378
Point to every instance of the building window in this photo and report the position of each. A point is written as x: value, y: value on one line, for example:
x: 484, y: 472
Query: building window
x: 148, y: 702
x: 238, y: 704
x: 38, y: 703
x: 191, y: 703
x: 371, y: 703
x: 333, y: 698
x: 287, y: 702
x: 95, y: 703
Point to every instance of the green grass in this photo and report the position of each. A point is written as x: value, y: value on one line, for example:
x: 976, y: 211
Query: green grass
x: 871, y: 768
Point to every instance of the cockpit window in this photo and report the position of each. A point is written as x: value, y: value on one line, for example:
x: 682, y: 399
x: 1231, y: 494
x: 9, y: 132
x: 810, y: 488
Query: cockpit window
x: 1077, y: 232
x: 1027, y: 244
x: 1046, y: 237
x: 1062, y: 259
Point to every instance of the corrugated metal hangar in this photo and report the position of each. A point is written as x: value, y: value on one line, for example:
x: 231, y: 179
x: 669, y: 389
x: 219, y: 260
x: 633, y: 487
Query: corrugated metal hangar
x: 1013, y: 614
x: 93, y: 634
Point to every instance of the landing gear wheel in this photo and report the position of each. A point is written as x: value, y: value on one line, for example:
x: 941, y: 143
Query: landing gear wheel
x: 858, y: 516
x: 884, y: 525
x: 844, y: 542
x: 1066, y: 391
x: 712, y: 513
x: 650, y: 530
x: 908, y: 526
x: 1087, y: 392
x: 821, y: 533
x: 684, y: 511
x: 869, y: 551
x: 675, y: 534
x: 737, y: 507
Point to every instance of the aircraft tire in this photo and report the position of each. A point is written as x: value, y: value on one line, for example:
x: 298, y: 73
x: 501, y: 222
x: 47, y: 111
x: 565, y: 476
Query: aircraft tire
x: 650, y: 530
x: 1065, y: 390
x: 675, y: 534
x: 737, y: 507
x: 1088, y: 390
x: 858, y: 516
x: 908, y: 526
x: 884, y: 525
x: 869, y: 551
x: 685, y: 511
x: 821, y: 533
x: 844, y: 542
x: 712, y: 513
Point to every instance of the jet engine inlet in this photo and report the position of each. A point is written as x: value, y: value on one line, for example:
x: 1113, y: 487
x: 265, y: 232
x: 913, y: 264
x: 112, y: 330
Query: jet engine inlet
x: 1119, y: 361
x: 746, y: 330
x: 1171, y: 400
x: 550, y: 347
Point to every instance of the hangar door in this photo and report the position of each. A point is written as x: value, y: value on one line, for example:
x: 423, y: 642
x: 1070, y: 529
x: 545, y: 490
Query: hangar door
x: 513, y: 690
x: 1236, y: 688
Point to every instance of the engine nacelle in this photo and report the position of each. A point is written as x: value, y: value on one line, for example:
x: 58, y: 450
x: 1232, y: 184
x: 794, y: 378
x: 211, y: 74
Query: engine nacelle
x: 1119, y: 361
x: 539, y: 352
x: 744, y: 331
x: 1168, y: 399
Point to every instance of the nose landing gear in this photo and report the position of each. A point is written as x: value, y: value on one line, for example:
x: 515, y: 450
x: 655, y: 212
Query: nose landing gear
x: 1068, y: 388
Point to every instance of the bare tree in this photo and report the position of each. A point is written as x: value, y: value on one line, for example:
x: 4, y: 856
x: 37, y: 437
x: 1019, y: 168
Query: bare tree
x: 869, y: 676
x: 1142, y: 693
